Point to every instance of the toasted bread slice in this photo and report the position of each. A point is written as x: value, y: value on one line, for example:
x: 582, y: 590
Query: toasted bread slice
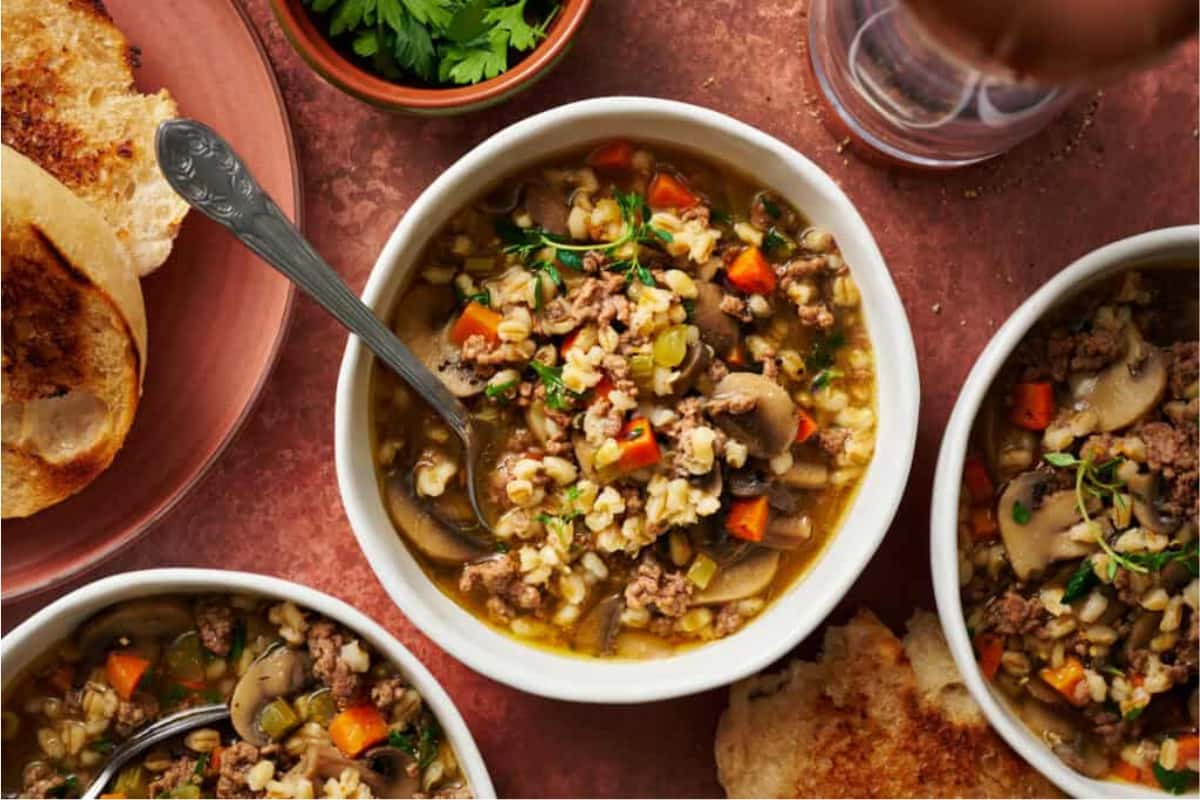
x: 872, y: 718
x: 73, y: 338
x: 70, y: 105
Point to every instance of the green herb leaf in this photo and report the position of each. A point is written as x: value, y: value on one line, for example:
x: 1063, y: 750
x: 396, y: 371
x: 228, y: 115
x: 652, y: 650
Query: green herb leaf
x: 1111, y: 570
x: 468, y: 21
x: 482, y: 58
x: 1134, y: 713
x: 569, y: 258
x: 68, y: 788
x: 103, y: 745
x: 558, y: 397
x: 347, y: 17
x: 201, y: 764
x: 1020, y: 513
x: 437, y: 13
x: 1080, y: 582
x: 718, y: 217
x: 1175, y: 781
x: 823, y: 352
x: 366, y: 44
x: 823, y: 379
x: 1061, y: 459
x: 689, y: 306
x: 238, y: 643
x: 511, y: 19
x: 770, y: 206
x: 499, y: 389
x: 500, y: 547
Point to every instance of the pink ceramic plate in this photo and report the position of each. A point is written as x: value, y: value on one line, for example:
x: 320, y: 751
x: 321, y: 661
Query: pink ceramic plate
x: 217, y: 314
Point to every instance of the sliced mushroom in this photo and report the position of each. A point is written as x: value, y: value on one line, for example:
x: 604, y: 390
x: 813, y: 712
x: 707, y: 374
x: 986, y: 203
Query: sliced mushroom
x: 540, y: 423
x: 1126, y: 391
x: 717, y: 329
x: 787, y: 531
x: 425, y: 329
x: 744, y: 578
x: 546, y: 207
x: 1147, y: 504
x: 435, y: 540
x: 392, y: 772
x: 597, y: 631
x: 641, y: 646
x: 1009, y: 450
x: 503, y: 199
x: 806, y: 475
x: 585, y: 456
x: 695, y: 361
x: 770, y: 427
x: 1143, y: 629
x: 1043, y: 538
x: 279, y: 672
x: 747, y: 482
x: 146, y: 618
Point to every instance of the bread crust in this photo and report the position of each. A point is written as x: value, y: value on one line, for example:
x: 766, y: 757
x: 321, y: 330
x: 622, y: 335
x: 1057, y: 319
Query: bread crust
x: 871, y: 718
x: 70, y: 104
x: 73, y: 337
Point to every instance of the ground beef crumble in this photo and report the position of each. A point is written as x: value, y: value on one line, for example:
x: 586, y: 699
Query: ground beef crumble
x: 180, y: 772
x: 667, y: 592
x: 500, y: 577
x: 325, y: 642
x: 236, y: 760
x: 214, y: 621
x: 135, y: 712
x: 1012, y: 614
x: 41, y: 780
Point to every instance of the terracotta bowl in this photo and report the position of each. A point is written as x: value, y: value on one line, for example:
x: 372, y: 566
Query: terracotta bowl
x: 216, y: 314
x: 310, y: 42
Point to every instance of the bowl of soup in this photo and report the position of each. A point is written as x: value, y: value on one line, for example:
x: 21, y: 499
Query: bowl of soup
x: 322, y: 701
x: 675, y: 333
x: 1064, y: 532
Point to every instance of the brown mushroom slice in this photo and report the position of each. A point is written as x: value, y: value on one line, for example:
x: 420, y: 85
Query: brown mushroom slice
x: 432, y: 538
x: 695, y: 362
x: 743, y: 578
x: 747, y: 482
x: 787, y: 531
x: 145, y: 618
x: 806, y: 475
x: 546, y: 207
x: 641, y: 646
x: 717, y: 329
x: 1009, y: 450
x: 503, y: 199
x: 392, y: 772
x: 1128, y: 390
x: 1146, y: 504
x: 1044, y: 538
x: 597, y: 630
x: 1143, y: 629
x: 770, y: 427
x: 279, y: 672
x: 424, y: 328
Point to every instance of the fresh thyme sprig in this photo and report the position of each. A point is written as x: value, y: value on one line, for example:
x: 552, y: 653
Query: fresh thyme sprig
x: 1095, y: 479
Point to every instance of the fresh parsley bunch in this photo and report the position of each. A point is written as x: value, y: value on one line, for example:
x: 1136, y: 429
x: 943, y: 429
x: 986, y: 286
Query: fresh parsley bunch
x: 447, y: 41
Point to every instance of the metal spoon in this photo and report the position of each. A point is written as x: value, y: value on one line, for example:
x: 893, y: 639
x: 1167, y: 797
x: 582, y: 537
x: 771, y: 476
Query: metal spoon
x: 204, y: 170
x: 165, y: 728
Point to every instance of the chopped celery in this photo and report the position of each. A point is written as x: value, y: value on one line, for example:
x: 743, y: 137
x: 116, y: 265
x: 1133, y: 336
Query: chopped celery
x: 702, y: 570
x: 277, y: 718
x: 670, y: 346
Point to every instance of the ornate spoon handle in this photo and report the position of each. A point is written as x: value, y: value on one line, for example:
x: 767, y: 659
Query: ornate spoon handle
x: 205, y: 171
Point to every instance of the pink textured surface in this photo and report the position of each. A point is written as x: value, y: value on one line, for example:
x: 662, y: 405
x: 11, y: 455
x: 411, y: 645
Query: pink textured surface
x: 972, y: 244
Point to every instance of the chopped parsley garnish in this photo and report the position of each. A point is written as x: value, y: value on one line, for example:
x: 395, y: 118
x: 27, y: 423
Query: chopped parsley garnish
x: 483, y: 297
x: 635, y: 218
x: 689, y: 308
x: 823, y: 378
x: 201, y: 764
x: 421, y: 744
x: 68, y: 788
x: 1175, y: 781
x: 823, y: 352
x: 775, y: 243
x: 451, y: 41
x: 103, y: 745
x: 1080, y: 582
x: 239, y: 642
x: 500, y: 547
x: 499, y: 390
x: 1134, y: 713
x: 558, y: 396
x: 770, y: 206
x: 718, y: 217
x: 1020, y: 513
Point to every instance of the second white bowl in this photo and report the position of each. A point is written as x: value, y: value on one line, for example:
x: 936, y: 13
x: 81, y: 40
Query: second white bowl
x: 798, y: 611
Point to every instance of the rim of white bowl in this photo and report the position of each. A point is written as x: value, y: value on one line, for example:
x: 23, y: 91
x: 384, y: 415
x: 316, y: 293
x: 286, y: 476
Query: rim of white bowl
x: 789, y: 618
x: 64, y: 614
x: 1148, y: 248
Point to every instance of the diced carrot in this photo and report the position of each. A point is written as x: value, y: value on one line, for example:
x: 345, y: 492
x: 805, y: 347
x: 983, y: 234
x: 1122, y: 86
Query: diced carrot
x: 615, y: 156
x: 569, y: 341
x: 1065, y: 678
x: 667, y: 191
x: 808, y: 426
x: 476, y: 319
x: 113, y: 796
x: 357, y: 728
x: 638, y: 446
x: 1125, y: 771
x: 751, y: 273
x: 1189, y: 748
x: 983, y: 524
x: 123, y: 671
x: 979, y: 484
x: 214, y: 758
x: 1032, y: 405
x: 736, y: 356
x: 990, y: 647
x: 603, y: 388
x: 62, y: 677
x: 748, y: 518
x: 194, y: 685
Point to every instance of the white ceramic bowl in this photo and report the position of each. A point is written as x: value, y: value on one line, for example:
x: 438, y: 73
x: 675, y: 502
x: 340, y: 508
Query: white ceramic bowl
x: 56, y: 621
x: 1182, y: 243
x: 789, y: 618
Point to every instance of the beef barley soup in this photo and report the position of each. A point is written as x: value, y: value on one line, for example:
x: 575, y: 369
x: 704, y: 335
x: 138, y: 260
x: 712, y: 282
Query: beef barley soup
x: 677, y: 384
x: 315, y: 712
x: 1078, y: 530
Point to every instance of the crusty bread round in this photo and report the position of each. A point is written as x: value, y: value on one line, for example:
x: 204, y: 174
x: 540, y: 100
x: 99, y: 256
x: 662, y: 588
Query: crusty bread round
x: 71, y: 105
x: 74, y: 339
